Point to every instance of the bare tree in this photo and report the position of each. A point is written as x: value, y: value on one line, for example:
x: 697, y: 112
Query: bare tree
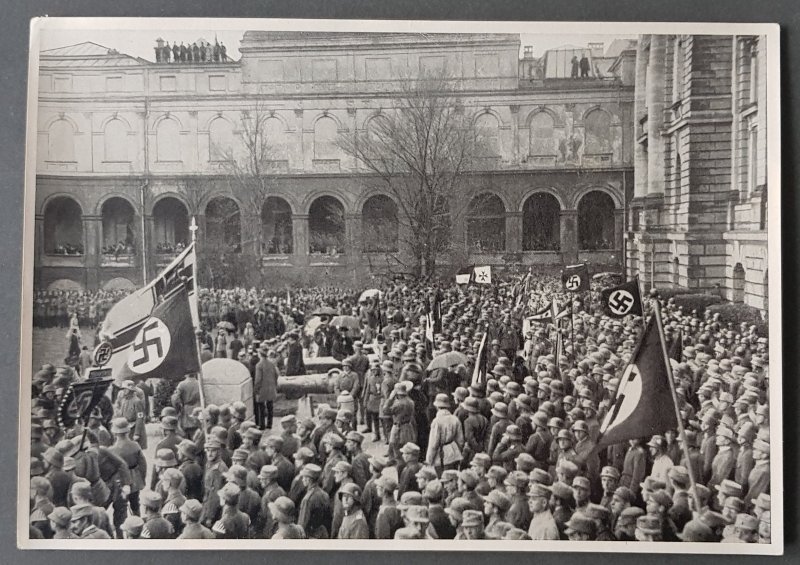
x: 250, y: 165
x: 420, y: 152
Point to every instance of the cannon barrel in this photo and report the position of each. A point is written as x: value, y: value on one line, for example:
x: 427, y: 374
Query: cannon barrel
x: 302, y: 385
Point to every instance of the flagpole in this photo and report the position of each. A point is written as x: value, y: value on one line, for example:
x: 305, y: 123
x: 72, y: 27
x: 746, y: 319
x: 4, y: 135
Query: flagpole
x: 198, y: 332
x: 681, y: 429
x: 574, y: 355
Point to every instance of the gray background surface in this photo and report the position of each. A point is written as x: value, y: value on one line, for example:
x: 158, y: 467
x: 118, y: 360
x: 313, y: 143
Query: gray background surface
x: 14, y: 19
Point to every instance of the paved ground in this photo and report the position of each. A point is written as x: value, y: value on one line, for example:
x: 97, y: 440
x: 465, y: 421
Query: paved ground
x: 50, y: 346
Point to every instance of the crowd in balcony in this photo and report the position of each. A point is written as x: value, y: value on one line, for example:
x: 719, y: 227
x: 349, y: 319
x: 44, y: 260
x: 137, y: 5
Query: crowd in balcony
x: 166, y: 247
x: 68, y: 249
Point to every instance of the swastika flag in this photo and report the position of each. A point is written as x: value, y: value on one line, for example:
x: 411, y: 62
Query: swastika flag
x: 622, y: 300
x: 575, y: 278
x: 643, y: 405
x: 165, y: 346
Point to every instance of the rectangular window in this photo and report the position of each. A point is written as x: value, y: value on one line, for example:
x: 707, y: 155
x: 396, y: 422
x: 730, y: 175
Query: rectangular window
x: 168, y: 84
x: 270, y: 70
x: 62, y: 83
x: 114, y: 84
x: 486, y: 65
x: 217, y: 83
x: 323, y: 70
x: 677, y: 70
x: 378, y: 69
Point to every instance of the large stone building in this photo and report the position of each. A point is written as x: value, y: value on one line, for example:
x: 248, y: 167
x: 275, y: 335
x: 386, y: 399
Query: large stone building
x: 698, y: 218
x: 128, y: 153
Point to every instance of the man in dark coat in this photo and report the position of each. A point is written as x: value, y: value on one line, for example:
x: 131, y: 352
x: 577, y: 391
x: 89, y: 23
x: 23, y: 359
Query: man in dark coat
x: 265, y: 388
x: 294, y: 356
x: 315, y: 513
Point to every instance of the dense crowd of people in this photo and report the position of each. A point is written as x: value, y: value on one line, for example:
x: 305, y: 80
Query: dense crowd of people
x: 511, y: 456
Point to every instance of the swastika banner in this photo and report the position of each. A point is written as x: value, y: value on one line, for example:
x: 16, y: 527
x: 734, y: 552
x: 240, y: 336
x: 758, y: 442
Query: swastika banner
x: 622, y: 300
x: 575, y: 278
x: 165, y: 345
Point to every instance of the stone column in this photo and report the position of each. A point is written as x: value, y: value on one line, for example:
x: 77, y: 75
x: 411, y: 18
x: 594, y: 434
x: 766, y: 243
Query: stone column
x: 300, y: 239
x: 515, y: 157
x: 352, y: 235
x: 92, y: 237
x: 619, y: 231
x: 569, y: 236
x: 655, y: 115
x: 513, y: 232
x: 38, y: 249
x: 639, y: 111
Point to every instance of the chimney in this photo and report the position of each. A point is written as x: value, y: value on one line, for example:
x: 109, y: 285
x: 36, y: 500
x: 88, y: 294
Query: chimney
x: 527, y: 52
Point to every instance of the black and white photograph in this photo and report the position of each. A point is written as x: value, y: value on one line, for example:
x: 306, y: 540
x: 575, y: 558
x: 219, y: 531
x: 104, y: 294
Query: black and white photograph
x: 298, y: 284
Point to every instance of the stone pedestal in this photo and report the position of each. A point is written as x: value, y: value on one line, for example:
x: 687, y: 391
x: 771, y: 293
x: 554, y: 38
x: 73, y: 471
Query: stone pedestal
x: 569, y: 236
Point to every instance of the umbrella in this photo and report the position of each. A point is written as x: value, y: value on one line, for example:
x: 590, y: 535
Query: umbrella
x: 349, y: 322
x: 226, y: 326
x: 447, y: 360
x: 370, y: 293
x: 325, y: 311
x: 311, y: 325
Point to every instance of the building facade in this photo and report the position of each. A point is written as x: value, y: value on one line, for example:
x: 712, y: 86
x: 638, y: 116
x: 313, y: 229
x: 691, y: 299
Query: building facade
x: 698, y: 218
x: 131, y: 151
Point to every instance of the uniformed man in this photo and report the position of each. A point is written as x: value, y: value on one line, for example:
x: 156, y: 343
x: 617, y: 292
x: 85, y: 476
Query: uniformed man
x: 155, y: 525
x: 213, y: 480
x: 129, y: 406
x: 315, y: 509
x: 233, y: 523
x: 82, y: 526
x: 191, y: 511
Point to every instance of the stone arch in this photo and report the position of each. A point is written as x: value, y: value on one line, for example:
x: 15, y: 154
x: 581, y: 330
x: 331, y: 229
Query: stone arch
x: 488, y: 111
x: 613, y: 117
x: 170, y: 224
x: 486, y: 223
x: 65, y: 284
x: 98, y: 209
x: 610, y: 190
x: 118, y: 218
x: 541, y: 222
x: 596, y: 221
x: 557, y: 121
x: 554, y: 192
x: 119, y: 283
x: 63, y: 226
x: 738, y: 284
x: 380, y: 226
x: 276, y: 227
x: 326, y: 226
x: 308, y: 200
x: 223, y: 223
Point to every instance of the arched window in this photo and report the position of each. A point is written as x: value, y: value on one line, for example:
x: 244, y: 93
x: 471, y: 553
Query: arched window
x: 596, y: 221
x: 63, y: 227
x: 486, y: 224
x: 276, y: 227
x: 738, y: 283
x: 168, y: 141
x: 223, y: 224
x: 118, y: 227
x: 171, y: 225
x: 541, y: 223
x: 326, y: 226
x: 275, y: 133
x: 220, y: 140
x: 115, y: 141
x: 325, y: 133
x: 61, y: 142
x: 542, y: 136
x: 598, y: 133
x: 488, y: 131
x: 379, y: 223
